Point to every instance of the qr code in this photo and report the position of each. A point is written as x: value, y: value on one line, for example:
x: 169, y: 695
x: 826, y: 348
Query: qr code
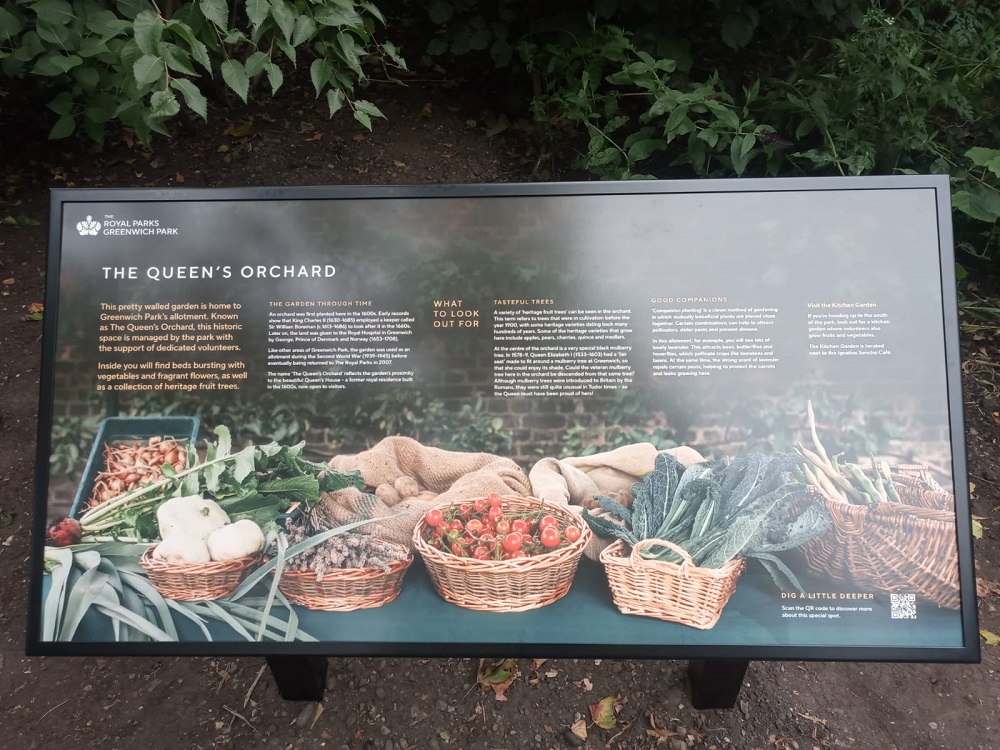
x: 904, y: 606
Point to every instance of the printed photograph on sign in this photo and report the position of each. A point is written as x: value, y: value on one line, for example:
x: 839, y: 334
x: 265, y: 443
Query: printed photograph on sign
x: 629, y: 420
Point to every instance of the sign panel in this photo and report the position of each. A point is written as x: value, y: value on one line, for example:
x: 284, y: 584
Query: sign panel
x: 645, y: 419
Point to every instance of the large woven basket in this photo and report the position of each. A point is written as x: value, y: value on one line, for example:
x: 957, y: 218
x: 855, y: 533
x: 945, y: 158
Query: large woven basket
x: 683, y: 592
x: 192, y: 582
x: 345, y: 589
x: 506, y: 585
x: 892, y: 547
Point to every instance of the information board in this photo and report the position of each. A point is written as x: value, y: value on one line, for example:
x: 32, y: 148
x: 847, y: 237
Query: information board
x: 664, y: 419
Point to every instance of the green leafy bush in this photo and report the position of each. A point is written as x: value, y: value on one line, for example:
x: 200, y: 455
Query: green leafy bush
x: 137, y: 62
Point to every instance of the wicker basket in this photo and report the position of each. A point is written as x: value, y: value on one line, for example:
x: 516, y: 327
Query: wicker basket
x: 192, y: 582
x: 345, y: 589
x: 890, y: 547
x: 506, y: 585
x: 669, y: 591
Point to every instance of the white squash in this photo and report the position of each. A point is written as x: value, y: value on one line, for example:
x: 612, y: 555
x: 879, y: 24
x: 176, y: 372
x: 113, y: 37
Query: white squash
x: 182, y: 548
x: 192, y: 515
x: 235, y: 541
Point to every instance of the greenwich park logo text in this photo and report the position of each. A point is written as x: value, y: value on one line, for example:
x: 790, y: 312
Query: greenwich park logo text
x: 110, y: 226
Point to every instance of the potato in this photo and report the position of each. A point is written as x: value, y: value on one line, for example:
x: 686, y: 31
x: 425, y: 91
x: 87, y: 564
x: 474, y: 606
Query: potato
x: 387, y: 494
x: 407, y: 486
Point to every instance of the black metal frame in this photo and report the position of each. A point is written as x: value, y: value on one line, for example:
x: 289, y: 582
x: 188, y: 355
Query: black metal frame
x: 716, y: 671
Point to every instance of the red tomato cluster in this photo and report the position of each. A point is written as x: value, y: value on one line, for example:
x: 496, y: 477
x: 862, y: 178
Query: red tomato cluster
x: 482, y: 530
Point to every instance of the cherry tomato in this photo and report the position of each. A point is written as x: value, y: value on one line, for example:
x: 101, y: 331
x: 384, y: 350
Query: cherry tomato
x: 518, y: 554
x: 454, y: 535
x: 572, y: 533
x: 481, y: 505
x: 503, y: 526
x: 481, y: 553
x: 512, y: 542
x: 520, y: 526
x: 495, y: 514
x: 494, y: 500
x: 455, y: 525
x: 474, y: 526
x: 465, y: 510
x: 457, y: 549
x: 434, y: 517
x: 487, y: 536
x: 550, y: 537
x: 547, y: 521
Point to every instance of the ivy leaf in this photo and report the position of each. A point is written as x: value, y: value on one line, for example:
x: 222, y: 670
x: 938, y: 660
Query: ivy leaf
x: 148, y: 30
x: 63, y: 128
x: 216, y: 11
x: 985, y: 157
x: 148, y: 69
x: 164, y: 104
x: 603, y: 712
x: 235, y: 76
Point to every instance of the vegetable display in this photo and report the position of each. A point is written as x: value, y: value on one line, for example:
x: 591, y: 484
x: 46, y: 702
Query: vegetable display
x: 716, y: 512
x: 481, y: 529
x: 129, y: 466
x: 257, y: 482
x: 344, y: 551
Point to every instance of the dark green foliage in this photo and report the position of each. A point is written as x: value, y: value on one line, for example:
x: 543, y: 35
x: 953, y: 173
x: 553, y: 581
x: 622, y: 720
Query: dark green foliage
x: 716, y: 512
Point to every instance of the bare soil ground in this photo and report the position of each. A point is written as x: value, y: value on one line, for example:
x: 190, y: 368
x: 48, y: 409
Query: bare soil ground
x: 436, y: 132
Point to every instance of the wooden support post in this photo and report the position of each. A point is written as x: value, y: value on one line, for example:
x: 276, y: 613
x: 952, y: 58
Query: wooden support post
x: 716, y: 683
x: 299, y: 678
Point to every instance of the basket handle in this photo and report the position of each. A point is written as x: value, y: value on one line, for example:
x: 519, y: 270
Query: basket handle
x: 645, y: 543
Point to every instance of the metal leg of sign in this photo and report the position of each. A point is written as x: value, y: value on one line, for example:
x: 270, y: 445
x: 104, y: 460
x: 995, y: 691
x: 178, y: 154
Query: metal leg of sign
x: 716, y: 683
x: 299, y: 678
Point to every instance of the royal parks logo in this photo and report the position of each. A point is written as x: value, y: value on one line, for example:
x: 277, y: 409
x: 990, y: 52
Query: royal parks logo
x: 109, y: 226
x: 88, y: 227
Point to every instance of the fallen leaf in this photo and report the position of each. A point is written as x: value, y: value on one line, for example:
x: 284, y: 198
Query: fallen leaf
x: 991, y: 639
x: 552, y: 673
x: 662, y: 734
x: 586, y: 684
x: 241, y: 130
x: 224, y: 148
x: 537, y: 663
x: 399, y: 164
x: 179, y: 178
x: 497, y: 677
x: 306, y: 127
x: 8, y: 282
x: 813, y: 719
x: 316, y: 715
x: 579, y: 728
x: 427, y: 110
x: 977, y: 527
x: 603, y: 712
x: 986, y: 588
x: 34, y: 316
x: 359, y: 136
x: 444, y: 735
x: 156, y: 163
x: 317, y: 136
